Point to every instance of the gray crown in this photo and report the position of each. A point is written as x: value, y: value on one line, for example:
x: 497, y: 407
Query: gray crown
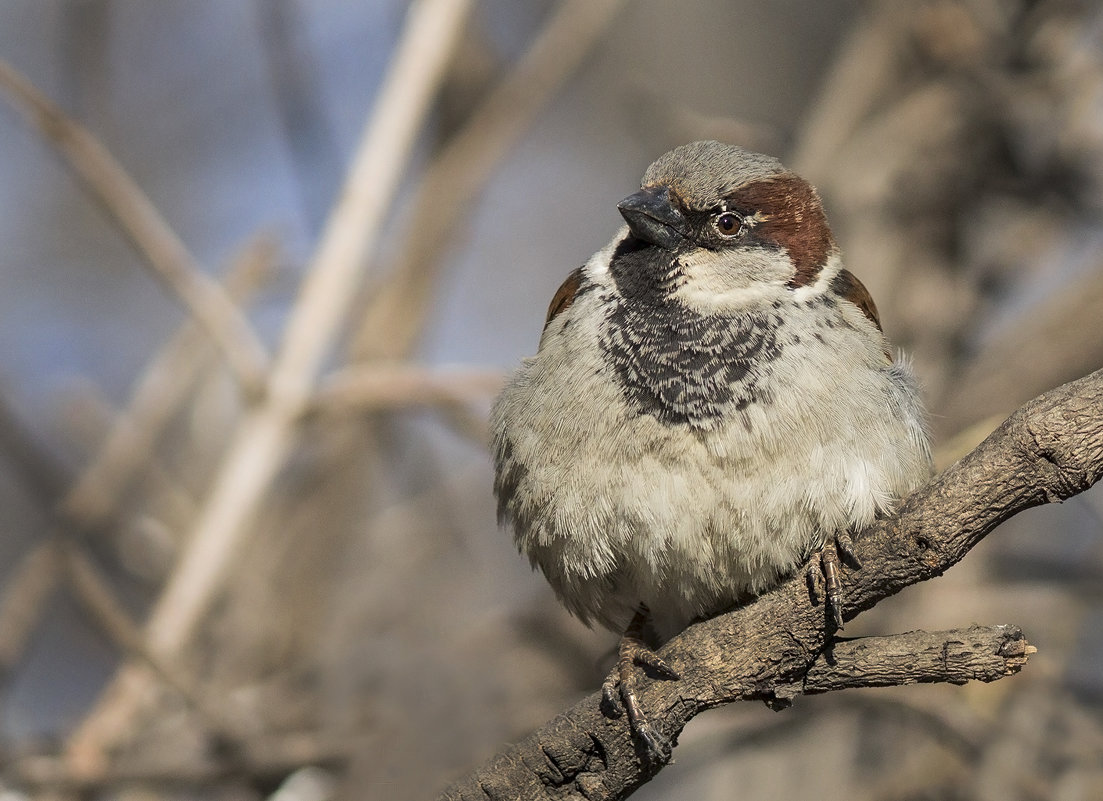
x: 700, y: 173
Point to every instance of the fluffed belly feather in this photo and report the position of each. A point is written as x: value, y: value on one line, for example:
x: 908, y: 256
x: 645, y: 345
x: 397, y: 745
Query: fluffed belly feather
x: 618, y: 508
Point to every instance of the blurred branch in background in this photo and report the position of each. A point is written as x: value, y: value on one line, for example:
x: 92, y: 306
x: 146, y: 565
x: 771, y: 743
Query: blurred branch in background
x: 164, y: 388
x: 92, y: 501
x: 1057, y: 342
x: 27, y: 590
x: 954, y: 140
x: 164, y: 253
x: 264, y: 436
x: 374, y: 387
x: 94, y: 591
x: 396, y: 308
x: 384, y: 385
x: 254, y: 457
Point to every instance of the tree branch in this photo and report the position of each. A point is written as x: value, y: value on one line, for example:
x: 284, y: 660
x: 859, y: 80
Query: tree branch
x: 264, y: 438
x: 774, y: 648
x: 165, y: 254
x: 978, y: 653
x: 396, y: 311
x: 374, y: 386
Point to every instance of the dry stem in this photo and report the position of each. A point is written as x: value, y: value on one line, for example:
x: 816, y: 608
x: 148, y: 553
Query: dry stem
x: 265, y: 435
x: 164, y: 253
x: 396, y: 311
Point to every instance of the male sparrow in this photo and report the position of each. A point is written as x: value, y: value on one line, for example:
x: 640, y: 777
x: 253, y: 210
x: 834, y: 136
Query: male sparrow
x: 712, y: 402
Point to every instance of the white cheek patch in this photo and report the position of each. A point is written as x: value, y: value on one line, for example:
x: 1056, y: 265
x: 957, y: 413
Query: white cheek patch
x: 823, y: 280
x: 715, y: 281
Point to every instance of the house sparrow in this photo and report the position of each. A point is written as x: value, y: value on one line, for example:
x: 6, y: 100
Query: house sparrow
x: 712, y: 402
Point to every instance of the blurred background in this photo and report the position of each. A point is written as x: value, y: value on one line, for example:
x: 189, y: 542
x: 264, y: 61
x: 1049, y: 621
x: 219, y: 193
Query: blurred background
x: 247, y: 351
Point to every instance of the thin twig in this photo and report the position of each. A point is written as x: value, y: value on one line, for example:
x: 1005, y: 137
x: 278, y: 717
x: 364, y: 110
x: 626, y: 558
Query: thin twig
x: 94, y: 591
x: 263, y: 756
x: 23, y: 602
x: 1050, y: 344
x: 862, y: 72
x: 93, y: 497
x: 89, y: 418
x: 265, y: 436
x: 155, y: 399
x: 978, y: 653
x: 145, y: 227
x: 396, y: 310
x: 375, y: 386
x: 459, y: 396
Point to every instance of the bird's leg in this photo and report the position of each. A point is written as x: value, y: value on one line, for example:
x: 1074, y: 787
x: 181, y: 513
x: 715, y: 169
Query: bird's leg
x: 842, y: 547
x: 832, y: 584
x: 634, y: 652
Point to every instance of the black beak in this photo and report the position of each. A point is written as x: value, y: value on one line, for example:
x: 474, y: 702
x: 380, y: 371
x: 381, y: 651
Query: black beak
x: 653, y: 218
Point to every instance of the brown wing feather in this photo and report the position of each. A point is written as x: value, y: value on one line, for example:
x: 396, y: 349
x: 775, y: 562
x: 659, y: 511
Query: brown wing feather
x: 846, y: 286
x: 564, y: 296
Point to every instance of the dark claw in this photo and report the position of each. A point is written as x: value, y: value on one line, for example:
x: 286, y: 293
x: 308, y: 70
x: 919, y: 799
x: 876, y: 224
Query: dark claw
x: 657, y: 748
x: 844, y: 544
x: 835, y: 606
x: 622, y: 683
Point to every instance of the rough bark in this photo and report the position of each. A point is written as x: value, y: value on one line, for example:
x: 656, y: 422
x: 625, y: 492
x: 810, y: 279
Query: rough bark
x: 778, y: 646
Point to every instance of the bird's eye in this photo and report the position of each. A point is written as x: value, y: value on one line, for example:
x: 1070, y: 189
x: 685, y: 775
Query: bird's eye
x: 728, y: 224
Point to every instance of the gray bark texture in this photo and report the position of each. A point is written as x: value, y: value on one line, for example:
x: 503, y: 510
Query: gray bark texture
x: 778, y: 647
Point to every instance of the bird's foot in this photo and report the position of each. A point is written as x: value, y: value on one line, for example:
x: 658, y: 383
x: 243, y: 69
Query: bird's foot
x: 634, y: 654
x: 823, y: 574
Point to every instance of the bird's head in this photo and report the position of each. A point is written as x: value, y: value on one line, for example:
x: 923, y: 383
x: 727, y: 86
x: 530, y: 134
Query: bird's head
x: 732, y: 223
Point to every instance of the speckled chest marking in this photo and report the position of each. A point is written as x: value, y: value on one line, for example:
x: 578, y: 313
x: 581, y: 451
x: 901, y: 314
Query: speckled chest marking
x: 674, y: 363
